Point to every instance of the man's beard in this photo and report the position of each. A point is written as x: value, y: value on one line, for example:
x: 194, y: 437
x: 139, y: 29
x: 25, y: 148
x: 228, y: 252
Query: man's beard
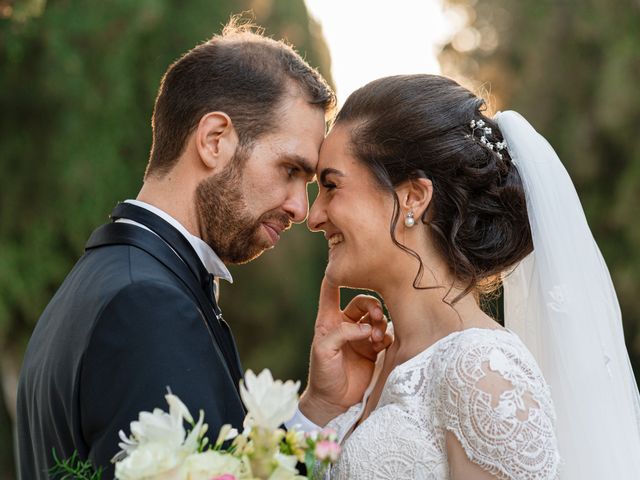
x: 227, y: 225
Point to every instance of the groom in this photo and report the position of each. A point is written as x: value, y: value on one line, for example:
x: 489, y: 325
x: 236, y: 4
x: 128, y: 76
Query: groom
x: 237, y: 126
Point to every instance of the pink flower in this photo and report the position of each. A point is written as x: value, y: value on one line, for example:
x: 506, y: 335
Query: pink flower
x: 226, y: 476
x: 328, y: 434
x: 327, y: 450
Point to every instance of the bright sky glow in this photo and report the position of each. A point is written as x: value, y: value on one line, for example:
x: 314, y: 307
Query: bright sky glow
x: 372, y: 39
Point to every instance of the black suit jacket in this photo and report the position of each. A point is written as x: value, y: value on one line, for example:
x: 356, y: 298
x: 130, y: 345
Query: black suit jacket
x: 135, y: 315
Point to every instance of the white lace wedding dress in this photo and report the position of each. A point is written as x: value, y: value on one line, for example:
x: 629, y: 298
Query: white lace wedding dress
x: 483, y: 385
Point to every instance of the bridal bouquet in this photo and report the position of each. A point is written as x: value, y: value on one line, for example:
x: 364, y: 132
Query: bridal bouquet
x: 160, y: 448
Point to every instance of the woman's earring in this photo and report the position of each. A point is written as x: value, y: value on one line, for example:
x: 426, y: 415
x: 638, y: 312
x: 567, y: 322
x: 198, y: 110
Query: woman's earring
x: 409, y: 221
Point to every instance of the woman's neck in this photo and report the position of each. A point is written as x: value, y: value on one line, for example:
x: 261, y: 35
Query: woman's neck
x: 421, y: 317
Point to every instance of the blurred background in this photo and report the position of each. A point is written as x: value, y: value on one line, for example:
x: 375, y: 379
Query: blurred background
x: 78, y: 80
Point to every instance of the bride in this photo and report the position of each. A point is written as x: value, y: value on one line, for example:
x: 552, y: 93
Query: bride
x: 430, y: 203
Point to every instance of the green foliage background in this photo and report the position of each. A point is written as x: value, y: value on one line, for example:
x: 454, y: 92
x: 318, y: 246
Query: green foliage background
x: 77, y: 85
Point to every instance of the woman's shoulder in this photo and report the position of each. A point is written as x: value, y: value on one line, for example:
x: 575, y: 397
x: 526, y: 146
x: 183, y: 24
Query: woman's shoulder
x: 493, y: 398
x: 470, y: 355
x: 500, y: 349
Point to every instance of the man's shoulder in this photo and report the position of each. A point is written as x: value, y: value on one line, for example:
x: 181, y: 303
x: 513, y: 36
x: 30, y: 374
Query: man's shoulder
x: 149, y: 294
x: 124, y: 264
x: 102, y: 274
x: 103, y: 293
x: 115, y: 277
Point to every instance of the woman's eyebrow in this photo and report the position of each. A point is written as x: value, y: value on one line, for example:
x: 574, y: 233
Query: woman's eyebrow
x: 329, y: 171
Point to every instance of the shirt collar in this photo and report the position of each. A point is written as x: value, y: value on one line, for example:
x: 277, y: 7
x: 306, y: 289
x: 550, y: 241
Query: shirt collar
x: 207, y: 256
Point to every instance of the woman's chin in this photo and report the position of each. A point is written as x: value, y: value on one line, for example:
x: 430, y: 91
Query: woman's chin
x: 333, y: 276
x: 341, y: 278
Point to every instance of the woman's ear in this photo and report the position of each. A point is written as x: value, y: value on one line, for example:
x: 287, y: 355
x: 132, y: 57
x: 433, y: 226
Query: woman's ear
x: 216, y: 140
x: 415, y: 196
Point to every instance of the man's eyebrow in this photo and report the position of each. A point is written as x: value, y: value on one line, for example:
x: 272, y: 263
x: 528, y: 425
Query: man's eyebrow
x: 303, y: 164
x: 329, y: 171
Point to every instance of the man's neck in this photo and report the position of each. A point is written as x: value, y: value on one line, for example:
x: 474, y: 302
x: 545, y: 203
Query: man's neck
x: 163, y: 195
x: 207, y: 255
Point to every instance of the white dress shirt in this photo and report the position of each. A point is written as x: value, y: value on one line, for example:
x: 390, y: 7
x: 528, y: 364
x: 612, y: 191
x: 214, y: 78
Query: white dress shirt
x: 205, y: 253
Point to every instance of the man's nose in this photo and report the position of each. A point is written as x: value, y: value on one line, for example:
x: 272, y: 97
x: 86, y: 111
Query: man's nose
x: 297, y: 206
x: 317, y: 216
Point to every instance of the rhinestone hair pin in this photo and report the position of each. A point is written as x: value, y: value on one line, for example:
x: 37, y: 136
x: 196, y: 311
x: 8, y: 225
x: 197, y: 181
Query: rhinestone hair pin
x: 480, y: 126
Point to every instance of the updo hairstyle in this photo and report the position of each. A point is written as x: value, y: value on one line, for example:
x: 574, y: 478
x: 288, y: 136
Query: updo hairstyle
x: 418, y: 126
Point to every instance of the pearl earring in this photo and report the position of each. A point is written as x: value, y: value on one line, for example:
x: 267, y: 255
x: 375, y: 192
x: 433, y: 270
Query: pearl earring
x: 409, y: 221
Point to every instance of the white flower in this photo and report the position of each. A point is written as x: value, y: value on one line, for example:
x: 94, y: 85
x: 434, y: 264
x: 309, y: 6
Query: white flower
x: 190, y: 444
x: 286, y: 468
x: 287, y: 462
x: 177, y: 409
x: 269, y: 403
x: 226, y: 433
x: 157, y: 444
x: 151, y: 460
x: 209, y: 464
x: 158, y: 427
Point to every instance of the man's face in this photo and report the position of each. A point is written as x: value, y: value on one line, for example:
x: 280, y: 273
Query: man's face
x: 243, y: 209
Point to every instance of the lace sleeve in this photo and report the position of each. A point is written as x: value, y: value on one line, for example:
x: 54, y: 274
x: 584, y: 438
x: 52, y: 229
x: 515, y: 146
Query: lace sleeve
x: 495, y: 401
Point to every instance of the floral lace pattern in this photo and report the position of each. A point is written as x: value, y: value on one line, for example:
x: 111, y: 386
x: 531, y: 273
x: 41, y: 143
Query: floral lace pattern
x: 483, y: 386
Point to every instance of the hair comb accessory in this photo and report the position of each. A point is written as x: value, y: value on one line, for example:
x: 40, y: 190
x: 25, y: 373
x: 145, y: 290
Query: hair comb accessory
x: 482, y: 130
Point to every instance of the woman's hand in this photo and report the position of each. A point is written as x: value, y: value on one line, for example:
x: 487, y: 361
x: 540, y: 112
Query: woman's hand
x: 345, y: 346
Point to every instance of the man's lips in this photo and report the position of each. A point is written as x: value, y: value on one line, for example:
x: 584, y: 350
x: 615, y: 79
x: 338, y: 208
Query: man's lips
x: 273, y: 231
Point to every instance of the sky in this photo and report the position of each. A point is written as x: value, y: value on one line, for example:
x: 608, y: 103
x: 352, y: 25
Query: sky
x: 375, y: 38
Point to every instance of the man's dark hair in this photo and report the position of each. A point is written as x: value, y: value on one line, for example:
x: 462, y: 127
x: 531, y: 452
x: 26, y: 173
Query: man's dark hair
x: 240, y: 72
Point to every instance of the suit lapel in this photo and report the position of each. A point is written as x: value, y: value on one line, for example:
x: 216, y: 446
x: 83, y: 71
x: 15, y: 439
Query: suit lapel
x: 183, y: 268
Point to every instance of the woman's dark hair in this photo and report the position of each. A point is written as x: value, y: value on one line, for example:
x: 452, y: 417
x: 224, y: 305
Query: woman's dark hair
x: 240, y: 72
x: 410, y: 126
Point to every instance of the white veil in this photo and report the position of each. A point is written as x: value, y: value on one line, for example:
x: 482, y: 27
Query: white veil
x: 561, y: 302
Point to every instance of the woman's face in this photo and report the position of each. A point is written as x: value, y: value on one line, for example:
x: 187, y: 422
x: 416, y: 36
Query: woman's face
x: 354, y: 212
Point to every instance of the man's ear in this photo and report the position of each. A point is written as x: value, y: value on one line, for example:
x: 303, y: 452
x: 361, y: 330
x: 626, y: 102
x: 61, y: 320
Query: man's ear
x: 216, y: 140
x: 415, y: 196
